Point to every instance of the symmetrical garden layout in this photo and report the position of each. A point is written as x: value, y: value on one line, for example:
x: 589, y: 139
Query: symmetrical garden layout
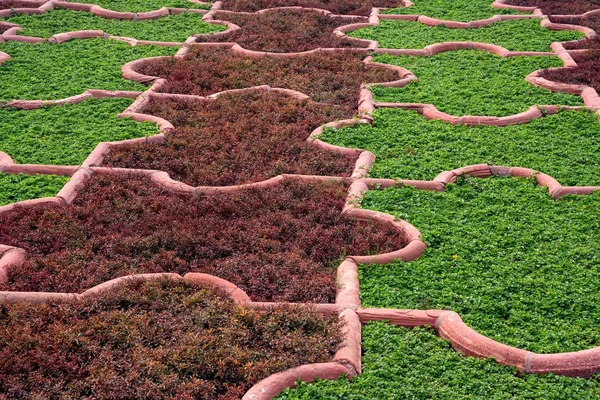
x: 299, y: 199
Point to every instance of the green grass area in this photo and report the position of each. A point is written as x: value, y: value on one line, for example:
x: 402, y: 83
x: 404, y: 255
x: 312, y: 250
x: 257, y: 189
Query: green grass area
x: 21, y: 187
x: 468, y: 82
x: 65, y: 135
x: 456, y: 10
x: 54, y: 71
x: 518, y: 266
x: 515, y: 35
x: 402, y: 363
x: 408, y: 146
x: 142, y: 5
x: 174, y: 28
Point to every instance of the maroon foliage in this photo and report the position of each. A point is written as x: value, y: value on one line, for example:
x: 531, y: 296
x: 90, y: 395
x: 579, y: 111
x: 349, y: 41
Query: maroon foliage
x: 238, y: 138
x: 587, y: 71
x: 348, y: 7
x: 284, y: 31
x: 278, y: 244
x: 559, y: 6
x: 591, y: 21
x: 327, y: 78
x: 154, y: 340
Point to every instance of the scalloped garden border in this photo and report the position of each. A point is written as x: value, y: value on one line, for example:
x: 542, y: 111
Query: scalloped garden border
x: 347, y: 360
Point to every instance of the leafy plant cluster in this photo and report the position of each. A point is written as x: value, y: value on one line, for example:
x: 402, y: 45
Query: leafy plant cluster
x: 284, y: 31
x: 408, y: 146
x: 67, y: 134
x: 55, y: 71
x: 279, y: 244
x: 238, y: 139
x: 154, y: 340
x: 467, y: 82
x: 517, y: 265
x: 457, y: 10
x: 21, y: 187
x: 587, y: 71
x: 143, y: 5
x: 340, y: 7
x: 515, y: 35
x: 404, y: 363
x: 173, y: 28
x: 559, y: 6
x: 325, y: 77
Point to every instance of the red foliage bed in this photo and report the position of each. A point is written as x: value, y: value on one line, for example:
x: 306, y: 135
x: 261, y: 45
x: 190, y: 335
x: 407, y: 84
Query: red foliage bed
x: 238, y: 138
x: 284, y: 31
x: 153, y: 340
x: 327, y: 78
x: 587, y: 71
x: 279, y: 244
x: 348, y: 7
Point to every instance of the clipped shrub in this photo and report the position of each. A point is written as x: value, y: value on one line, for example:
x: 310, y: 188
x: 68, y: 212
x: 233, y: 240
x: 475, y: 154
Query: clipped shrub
x: 327, y: 78
x: 350, y: 7
x: 284, y: 31
x: 278, y: 244
x: 154, y: 340
x: 238, y: 138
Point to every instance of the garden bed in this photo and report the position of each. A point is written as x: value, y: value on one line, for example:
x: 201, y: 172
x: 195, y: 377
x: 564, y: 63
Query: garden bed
x: 154, y: 340
x: 277, y: 244
x: 587, y: 71
x: 285, y: 31
x: 172, y: 28
x: 21, y: 187
x: 559, y: 6
x: 349, y: 7
x: 415, y: 363
x: 325, y: 77
x: 66, y: 135
x: 237, y: 139
x: 409, y: 146
x: 457, y: 10
x: 518, y: 266
x: 485, y: 84
x: 142, y: 5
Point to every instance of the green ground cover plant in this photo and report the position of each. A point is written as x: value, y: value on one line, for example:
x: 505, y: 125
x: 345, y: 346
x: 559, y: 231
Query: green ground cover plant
x: 20, y: 187
x: 55, y: 71
x: 471, y: 82
x: 402, y: 363
x: 174, y: 28
x: 65, y: 135
x: 518, y: 266
x: 515, y: 35
x: 142, y: 5
x: 154, y: 340
x: 457, y: 10
x: 409, y: 146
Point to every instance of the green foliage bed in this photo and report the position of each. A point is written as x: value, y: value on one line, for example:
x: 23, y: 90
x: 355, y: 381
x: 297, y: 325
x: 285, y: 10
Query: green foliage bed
x: 142, y: 5
x: 457, y: 10
x: 514, y: 35
x: 54, y: 71
x: 21, y: 187
x: 65, y: 135
x: 468, y: 82
x: 174, y: 28
x: 518, y: 266
x: 409, y: 146
x: 402, y: 363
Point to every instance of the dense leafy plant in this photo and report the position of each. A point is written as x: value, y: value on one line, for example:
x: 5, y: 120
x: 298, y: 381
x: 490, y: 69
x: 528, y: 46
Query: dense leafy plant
x: 154, y: 340
x: 404, y: 363
x: 587, y: 71
x: 238, y: 139
x: 559, y: 6
x: 326, y: 78
x: 340, y: 7
x: 457, y: 10
x: 467, y: 82
x: 284, y: 31
x: 55, y: 71
x: 515, y: 35
x: 143, y: 5
x: 66, y: 135
x: 20, y: 187
x: 278, y: 244
x: 174, y: 28
x: 518, y: 266
x: 408, y: 146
